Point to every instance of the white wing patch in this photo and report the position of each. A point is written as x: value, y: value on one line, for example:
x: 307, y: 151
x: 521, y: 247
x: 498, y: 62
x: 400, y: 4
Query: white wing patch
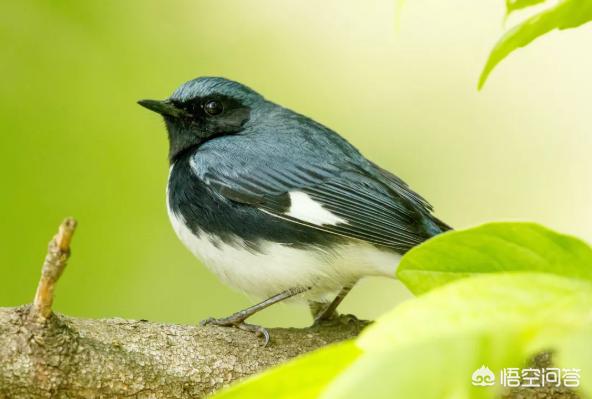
x: 304, y: 208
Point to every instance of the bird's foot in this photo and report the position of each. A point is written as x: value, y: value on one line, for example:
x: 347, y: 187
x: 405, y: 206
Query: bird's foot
x: 325, y: 317
x: 239, y: 323
x: 336, y: 319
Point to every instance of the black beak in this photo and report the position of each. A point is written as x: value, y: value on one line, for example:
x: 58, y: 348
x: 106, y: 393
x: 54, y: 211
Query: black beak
x: 164, y: 107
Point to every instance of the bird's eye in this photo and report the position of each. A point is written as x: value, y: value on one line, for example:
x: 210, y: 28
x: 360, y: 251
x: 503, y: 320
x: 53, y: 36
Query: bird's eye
x: 213, y: 107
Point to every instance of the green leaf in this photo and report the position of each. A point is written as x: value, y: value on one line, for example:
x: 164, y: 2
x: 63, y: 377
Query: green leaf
x: 429, y: 346
x: 437, y: 369
x: 515, y: 5
x: 566, y: 14
x: 301, y: 378
x: 533, y: 301
x: 494, y: 247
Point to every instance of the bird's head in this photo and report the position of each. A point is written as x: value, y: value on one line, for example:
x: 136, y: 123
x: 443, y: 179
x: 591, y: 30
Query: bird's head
x: 203, y: 108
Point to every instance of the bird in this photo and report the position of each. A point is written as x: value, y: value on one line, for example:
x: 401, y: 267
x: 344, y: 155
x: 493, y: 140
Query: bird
x: 279, y: 206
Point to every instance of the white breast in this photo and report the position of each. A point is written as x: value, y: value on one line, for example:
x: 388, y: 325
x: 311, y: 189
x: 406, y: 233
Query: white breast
x: 275, y: 267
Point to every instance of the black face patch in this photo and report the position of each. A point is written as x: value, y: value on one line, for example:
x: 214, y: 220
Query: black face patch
x: 198, y: 126
x: 230, y: 119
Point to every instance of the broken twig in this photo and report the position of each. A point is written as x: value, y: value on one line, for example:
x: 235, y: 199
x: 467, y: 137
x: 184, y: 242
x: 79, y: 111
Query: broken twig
x: 57, y: 256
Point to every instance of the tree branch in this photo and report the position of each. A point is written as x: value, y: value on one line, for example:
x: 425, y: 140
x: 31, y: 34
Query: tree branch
x: 46, y: 355
x: 53, y: 267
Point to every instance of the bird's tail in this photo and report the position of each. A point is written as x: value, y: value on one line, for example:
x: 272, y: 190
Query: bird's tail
x: 443, y: 226
x: 434, y: 226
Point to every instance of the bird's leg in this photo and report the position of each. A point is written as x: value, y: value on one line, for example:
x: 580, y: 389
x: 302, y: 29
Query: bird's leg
x: 317, y: 308
x: 238, y: 319
x: 329, y: 312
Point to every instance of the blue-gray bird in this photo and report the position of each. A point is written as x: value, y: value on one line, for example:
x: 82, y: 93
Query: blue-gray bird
x: 278, y: 205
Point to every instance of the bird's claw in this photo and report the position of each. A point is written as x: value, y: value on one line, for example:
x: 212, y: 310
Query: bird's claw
x: 240, y: 324
x: 326, y: 317
x: 257, y: 330
x: 336, y: 319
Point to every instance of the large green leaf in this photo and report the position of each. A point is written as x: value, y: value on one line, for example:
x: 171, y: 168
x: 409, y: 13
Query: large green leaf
x: 436, y: 369
x: 566, y: 14
x: 494, y: 247
x: 301, y: 378
x: 429, y: 346
x: 535, y: 303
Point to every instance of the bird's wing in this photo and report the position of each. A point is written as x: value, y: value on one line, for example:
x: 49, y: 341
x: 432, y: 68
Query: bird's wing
x: 347, y: 201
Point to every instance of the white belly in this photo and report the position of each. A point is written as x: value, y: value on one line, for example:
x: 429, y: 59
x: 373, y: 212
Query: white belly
x: 275, y: 267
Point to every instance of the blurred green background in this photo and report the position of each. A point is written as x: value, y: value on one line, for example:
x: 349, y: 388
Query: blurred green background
x: 74, y: 142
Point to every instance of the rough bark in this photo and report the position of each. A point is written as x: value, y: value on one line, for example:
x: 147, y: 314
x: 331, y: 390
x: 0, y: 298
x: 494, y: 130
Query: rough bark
x: 64, y: 357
